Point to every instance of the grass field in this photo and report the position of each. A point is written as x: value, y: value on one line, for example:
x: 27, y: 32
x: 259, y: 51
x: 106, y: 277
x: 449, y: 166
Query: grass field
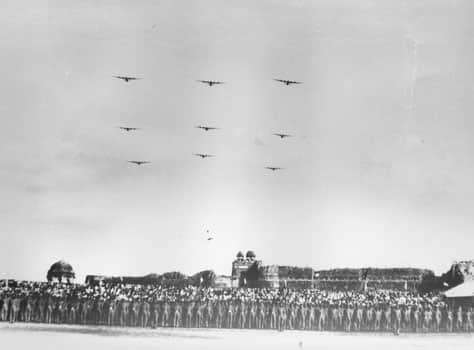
x: 52, y: 337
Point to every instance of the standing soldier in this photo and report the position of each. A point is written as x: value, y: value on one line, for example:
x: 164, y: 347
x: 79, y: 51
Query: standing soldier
x: 415, y: 318
x: 177, y: 314
x: 134, y: 311
x: 123, y: 312
x: 199, y: 314
x: 219, y: 313
x: 155, y: 313
x: 144, y: 313
x: 15, y: 309
x: 49, y: 310
x: 311, y: 316
x: 189, y: 314
x: 447, y: 316
x: 111, y: 308
x: 73, y: 311
x: 396, y: 319
x: 252, y: 315
x: 261, y: 314
x: 273, y: 315
x: 230, y: 314
x: 406, y: 317
x: 282, y: 316
x: 437, y: 317
x: 241, y: 316
x: 468, y: 319
x: 458, y: 320
x: 209, y: 315
x: 377, y: 318
x: 4, y: 311
x: 358, y: 318
x: 41, y: 309
x: 427, y: 318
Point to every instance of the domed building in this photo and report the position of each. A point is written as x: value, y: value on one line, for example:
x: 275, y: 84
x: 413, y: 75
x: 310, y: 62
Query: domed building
x: 250, y: 255
x: 61, y: 271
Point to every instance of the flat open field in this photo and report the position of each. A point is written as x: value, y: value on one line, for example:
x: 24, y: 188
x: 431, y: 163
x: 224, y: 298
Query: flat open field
x: 52, y: 337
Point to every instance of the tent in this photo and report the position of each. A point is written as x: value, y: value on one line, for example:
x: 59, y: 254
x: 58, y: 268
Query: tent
x: 462, y: 295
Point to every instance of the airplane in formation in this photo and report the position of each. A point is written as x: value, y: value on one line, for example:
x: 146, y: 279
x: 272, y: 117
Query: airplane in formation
x: 206, y: 128
x: 283, y: 135
x: 210, y: 82
x: 138, y: 162
x: 125, y: 78
x: 273, y: 168
x: 288, y: 82
x: 203, y: 155
x: 126, y: 128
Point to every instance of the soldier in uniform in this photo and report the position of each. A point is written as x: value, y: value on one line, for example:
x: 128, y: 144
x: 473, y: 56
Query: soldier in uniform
x: 406, y: 318
x: 15, y: 309
x: 396, y: 319
x: 49, y: 308
x: 427, y: 318
x: 447, y: 316
x: 199, y: 314
x: 358, y: 318
x: 209, y: 316
x: 311, y: 316
x: 281, y: 316
x: 260, y: 315
x: 5, y: 307
x: 134, y: 311
x: 155, y: 313
x: 437, y: 316
x: 111, y: 308
x: 177, y: 314
x: 219, y: 313
x: 273, y: 315
x: 252, y: 315
x: 230, y: 314
x: 124, y: 307
x: 459, y: 319
x: 377, y: 318
x: 241, y: 315
x: 189, y: 310
x: 144, y: 313
x: 415, y: 318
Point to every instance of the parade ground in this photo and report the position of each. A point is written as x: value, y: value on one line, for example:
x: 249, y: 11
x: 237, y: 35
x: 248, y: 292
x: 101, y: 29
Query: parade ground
x: 52, y: 337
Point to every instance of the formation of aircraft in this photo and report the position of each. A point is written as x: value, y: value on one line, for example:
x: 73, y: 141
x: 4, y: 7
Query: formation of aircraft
x: 202, y: 127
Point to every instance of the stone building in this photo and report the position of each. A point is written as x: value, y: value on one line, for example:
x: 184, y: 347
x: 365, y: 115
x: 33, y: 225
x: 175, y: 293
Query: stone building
x: 61, y: 272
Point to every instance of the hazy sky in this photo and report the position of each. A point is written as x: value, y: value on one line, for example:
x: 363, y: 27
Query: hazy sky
x: 380, y: 171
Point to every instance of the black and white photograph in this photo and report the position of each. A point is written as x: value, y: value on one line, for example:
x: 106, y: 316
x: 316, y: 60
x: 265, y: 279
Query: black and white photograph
x: 237, y: 174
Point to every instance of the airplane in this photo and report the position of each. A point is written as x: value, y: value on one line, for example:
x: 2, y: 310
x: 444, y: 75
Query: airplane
x: 283, y: 135
x: 206, y: 128
x: 288, y: 82
x: 203, y: 155
x: 126, y: 128
x: 138, y: 162
x: 210, y: 82
x: 273, y: 168
x: 126, y: 79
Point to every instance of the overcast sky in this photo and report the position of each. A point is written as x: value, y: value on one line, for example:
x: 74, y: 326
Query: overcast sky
x: 379, y: 172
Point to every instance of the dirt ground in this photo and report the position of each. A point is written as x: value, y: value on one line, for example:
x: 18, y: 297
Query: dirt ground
x: 60, y: 337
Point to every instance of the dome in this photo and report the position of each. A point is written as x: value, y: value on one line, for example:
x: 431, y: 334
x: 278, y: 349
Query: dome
x: 240, y: 255
x: 250, y: 254
x: 61, y: 266
x: 61, y: 269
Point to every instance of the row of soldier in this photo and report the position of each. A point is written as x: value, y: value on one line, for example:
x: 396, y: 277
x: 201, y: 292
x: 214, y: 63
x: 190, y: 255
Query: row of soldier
x: 261, y: 314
